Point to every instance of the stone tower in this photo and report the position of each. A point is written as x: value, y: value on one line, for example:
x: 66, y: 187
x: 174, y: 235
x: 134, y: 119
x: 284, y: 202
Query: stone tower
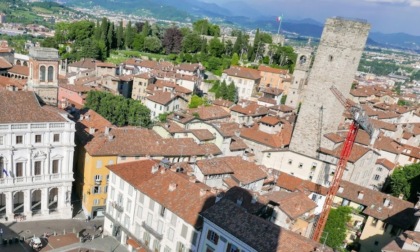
x: 43, y: 73
x: 336, y: 61
x: 300, y: 77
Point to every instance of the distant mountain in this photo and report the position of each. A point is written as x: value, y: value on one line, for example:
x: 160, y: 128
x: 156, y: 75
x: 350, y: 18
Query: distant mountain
x: 397, y: 39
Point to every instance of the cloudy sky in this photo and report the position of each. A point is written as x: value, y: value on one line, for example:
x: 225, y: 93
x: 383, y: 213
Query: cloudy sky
x: 386, y: 16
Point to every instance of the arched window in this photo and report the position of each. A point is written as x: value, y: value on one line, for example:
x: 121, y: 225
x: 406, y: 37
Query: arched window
x: 42, y: 71
x: 50, y: 73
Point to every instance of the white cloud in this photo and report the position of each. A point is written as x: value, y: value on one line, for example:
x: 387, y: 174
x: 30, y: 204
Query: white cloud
x: 415, y: 3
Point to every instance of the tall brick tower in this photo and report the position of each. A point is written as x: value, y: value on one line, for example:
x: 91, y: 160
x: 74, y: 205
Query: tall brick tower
x: 300, y: 77
x: 43, y: 73
x: 336, y: 61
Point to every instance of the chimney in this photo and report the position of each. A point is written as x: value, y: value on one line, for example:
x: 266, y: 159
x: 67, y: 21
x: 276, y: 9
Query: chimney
x: 81, y: 118
x: 172, y: 187
x: 155, y: 168
x: 106, y: 131
x: 192, y: 179
x: 91, y: 130
x: 87, y: 117
x: 387, y: 202
x: 214, y: 190
x: 401, y: 196
x: 202, y: 192
x: 361, y: 194
x: 110, y: 137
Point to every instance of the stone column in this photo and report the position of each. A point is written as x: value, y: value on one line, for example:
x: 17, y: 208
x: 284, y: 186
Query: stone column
x: 9, y: 205
x: 44, y: 201
x: 27, y: 202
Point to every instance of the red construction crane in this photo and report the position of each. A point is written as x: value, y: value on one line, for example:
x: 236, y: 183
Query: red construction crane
x: 359, y: 120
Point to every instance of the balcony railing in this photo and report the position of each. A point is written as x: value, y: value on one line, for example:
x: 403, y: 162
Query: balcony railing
x: 33, y: 179
x: 117, y: 206
x: 149, y: 229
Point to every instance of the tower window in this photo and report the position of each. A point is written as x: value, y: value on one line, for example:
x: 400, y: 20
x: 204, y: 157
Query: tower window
x: 42, y: 71
x: 330, y: 58
x: 50, y: 73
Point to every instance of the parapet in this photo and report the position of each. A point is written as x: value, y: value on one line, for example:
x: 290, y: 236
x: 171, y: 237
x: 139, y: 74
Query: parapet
x: 44, y: 53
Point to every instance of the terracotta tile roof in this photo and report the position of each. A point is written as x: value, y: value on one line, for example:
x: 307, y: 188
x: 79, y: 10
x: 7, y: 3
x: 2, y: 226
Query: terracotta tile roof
x: 243, y: 72
x: 188, y: 67
x: 383, y: 125
x: 78, y: 88
x: 263, y: 68
x: 411, y: 151
x: 251, y: 201
x: 172, y: 127
x: 387, y: 115
x: 207, y: 113
x: 6, y: 82
x: 282, y: 108
x: 385, y: 163
x: 86, y: 80
x: 357, y: 152
x: 278, y: 140
x: 181, y: 116
x: 105, y: 64
x: 244, y: 172
x: 363, y: 91
x: 272, y: 90
x: 88, y: 63
x: 23, y: 107
x: 21, y: 70
x: 223, y: 103
x: 293, y: 183
x: 397, y: 244
x: 202, y: 134
x: 270, y: 120
x: 132, y: 61
x: 399, y: 213
x: 4, y: 64
x: 143, y: 76
x: 256, y: 232
x: 127, y: 78
x: 162, y: 97
x: 294, y: 204
x: 267, y: 100
x: 250, y: 108
x: 388, y: 144
x: 196, y: 196
x: 334, y: 137
x: 228, y: 129
x: 237, y: 144
x: 369, y: 110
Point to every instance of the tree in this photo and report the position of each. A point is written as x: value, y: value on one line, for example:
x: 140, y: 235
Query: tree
x: 146, y: 29
x: 172, y: 40
x: 283, y: 99
x: 201, y: 26
x: 405, y: 180
x: 118, y: 110
x: 120, y: 36
x: 228, y: 48
x: 216, y: 47
x: 235, y: 60
x: 138, y: 42
x: 196, y: 101
x: 232, y: 94
x: 61, y: 34
x: 266, y: 38
x: 129, y: 35
x: 191, y: 43
x: 152, y: 44
x: 49, y: 42
x: 222, y: 92
x: 336, y: 227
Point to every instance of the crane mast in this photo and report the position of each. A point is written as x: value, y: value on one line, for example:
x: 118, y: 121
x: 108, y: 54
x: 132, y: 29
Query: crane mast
x: 359, y: 120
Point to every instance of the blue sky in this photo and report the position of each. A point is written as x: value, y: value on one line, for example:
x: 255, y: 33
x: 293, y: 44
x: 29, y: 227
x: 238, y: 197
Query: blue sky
x: 388, y: 16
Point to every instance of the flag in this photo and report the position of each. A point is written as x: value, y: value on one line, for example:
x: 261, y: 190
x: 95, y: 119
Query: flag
x: 5, y: 171
x: 279, y: 18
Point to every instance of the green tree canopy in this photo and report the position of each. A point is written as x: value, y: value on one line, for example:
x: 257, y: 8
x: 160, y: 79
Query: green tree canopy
x: 191, y: 43
x: 405, y: 180
x: 336, y: 227
x: 152, y: 44
x: 118, y: 110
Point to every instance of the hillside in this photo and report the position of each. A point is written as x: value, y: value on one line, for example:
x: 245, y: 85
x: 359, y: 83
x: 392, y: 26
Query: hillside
x: 18, y: 11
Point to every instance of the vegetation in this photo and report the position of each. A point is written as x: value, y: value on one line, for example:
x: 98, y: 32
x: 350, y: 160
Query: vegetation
x: 197, y: 101
x: 224, y: 91
x: 405, y: 180
x: 118, y: 110
x: 283, y: 99
x: 336, y: 227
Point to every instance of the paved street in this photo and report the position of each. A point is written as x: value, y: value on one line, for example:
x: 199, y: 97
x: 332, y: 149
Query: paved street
x: 65, y: 240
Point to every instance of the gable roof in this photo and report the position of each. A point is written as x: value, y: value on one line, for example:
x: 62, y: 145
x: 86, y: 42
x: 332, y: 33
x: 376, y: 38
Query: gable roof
x: 243, y: 72
x: 24, y: 107
x: 294, y: 204
x: 292, y: 183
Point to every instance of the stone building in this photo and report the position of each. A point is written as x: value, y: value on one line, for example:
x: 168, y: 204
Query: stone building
x: 43, y: 73
x: 300, y: 77
x: 36, y: 159
x: 336, y: 61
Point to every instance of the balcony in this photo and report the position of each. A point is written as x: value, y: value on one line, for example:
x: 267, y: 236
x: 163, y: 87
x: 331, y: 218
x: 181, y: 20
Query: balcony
x: 152, y: 231
x: 117, y: 206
